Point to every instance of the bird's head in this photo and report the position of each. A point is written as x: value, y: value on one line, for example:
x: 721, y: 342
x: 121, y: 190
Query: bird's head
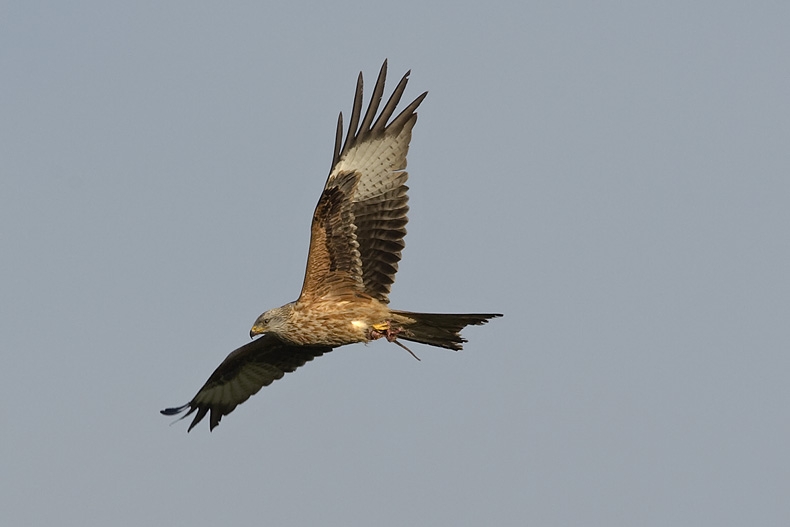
x: 272, y: 321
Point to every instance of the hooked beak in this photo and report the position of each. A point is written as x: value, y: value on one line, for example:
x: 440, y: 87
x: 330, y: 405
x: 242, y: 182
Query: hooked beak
x: 255, y: 331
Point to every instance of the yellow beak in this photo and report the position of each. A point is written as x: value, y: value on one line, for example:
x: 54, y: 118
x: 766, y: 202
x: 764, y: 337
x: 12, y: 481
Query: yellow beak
x: 256, y: 330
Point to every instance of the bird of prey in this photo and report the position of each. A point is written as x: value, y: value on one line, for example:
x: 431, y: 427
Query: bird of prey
x: 356, y: 241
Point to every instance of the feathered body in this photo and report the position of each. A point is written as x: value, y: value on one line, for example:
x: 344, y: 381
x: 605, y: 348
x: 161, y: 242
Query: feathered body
x: 336, y: 322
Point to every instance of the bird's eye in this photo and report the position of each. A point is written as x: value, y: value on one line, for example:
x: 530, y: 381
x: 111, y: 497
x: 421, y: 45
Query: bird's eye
x: 265, y: 320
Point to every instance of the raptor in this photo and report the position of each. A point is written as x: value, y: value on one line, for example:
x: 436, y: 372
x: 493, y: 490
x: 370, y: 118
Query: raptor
x: 356, y: 241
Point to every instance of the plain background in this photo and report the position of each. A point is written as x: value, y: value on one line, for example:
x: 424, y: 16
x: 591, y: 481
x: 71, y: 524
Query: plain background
x: 613, y: 176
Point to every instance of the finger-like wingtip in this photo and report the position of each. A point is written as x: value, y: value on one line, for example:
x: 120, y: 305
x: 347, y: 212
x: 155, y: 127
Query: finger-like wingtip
x: 174, y: 411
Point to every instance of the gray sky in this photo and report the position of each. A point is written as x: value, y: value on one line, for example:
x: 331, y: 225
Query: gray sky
x: 614, y: 178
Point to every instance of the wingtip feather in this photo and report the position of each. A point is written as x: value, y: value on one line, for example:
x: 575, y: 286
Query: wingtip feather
x: 174, y: 411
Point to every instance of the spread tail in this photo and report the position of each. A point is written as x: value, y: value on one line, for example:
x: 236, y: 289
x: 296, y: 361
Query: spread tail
x: 442, y: 330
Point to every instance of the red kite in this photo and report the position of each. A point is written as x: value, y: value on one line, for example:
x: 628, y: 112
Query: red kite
x: 355, y: 246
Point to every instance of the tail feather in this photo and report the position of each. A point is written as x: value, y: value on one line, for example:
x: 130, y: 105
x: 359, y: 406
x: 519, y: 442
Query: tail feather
x: 440, y: 329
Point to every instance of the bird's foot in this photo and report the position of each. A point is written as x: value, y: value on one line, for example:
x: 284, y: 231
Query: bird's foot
x: 390, y: 333
x: 385, y: 330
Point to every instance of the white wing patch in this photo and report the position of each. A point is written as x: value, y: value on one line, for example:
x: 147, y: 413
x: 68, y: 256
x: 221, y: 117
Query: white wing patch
x: 380, y: 162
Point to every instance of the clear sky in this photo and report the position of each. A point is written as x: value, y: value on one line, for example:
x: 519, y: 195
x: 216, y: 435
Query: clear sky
x: 613, y: 176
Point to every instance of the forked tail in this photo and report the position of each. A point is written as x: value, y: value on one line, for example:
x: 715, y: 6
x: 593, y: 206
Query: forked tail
x: 439, y: 329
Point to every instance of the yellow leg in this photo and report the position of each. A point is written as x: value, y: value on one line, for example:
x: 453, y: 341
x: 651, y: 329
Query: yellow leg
x: 384, y: 326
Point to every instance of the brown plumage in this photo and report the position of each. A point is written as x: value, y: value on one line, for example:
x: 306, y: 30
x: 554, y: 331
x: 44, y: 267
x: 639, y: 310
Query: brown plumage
x: 355, y: 245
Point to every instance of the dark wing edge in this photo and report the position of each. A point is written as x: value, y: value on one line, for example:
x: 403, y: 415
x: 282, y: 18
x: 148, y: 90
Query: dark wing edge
x: 242, y: 374
x: 356, y: 135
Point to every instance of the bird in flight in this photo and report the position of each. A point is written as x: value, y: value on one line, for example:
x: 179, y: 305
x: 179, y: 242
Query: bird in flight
x: 356, y: 240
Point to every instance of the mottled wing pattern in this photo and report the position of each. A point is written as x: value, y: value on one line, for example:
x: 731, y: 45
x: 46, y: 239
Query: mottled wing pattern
x: 334, y: 265
x: 244, y: 372
x: 360, y: 221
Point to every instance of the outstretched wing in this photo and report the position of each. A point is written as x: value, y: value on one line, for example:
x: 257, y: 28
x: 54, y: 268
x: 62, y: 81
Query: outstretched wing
x: 360, y: 220
x: 244, y: 372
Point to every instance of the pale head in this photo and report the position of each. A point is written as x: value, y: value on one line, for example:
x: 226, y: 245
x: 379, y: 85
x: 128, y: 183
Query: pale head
x: 273, y: 321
